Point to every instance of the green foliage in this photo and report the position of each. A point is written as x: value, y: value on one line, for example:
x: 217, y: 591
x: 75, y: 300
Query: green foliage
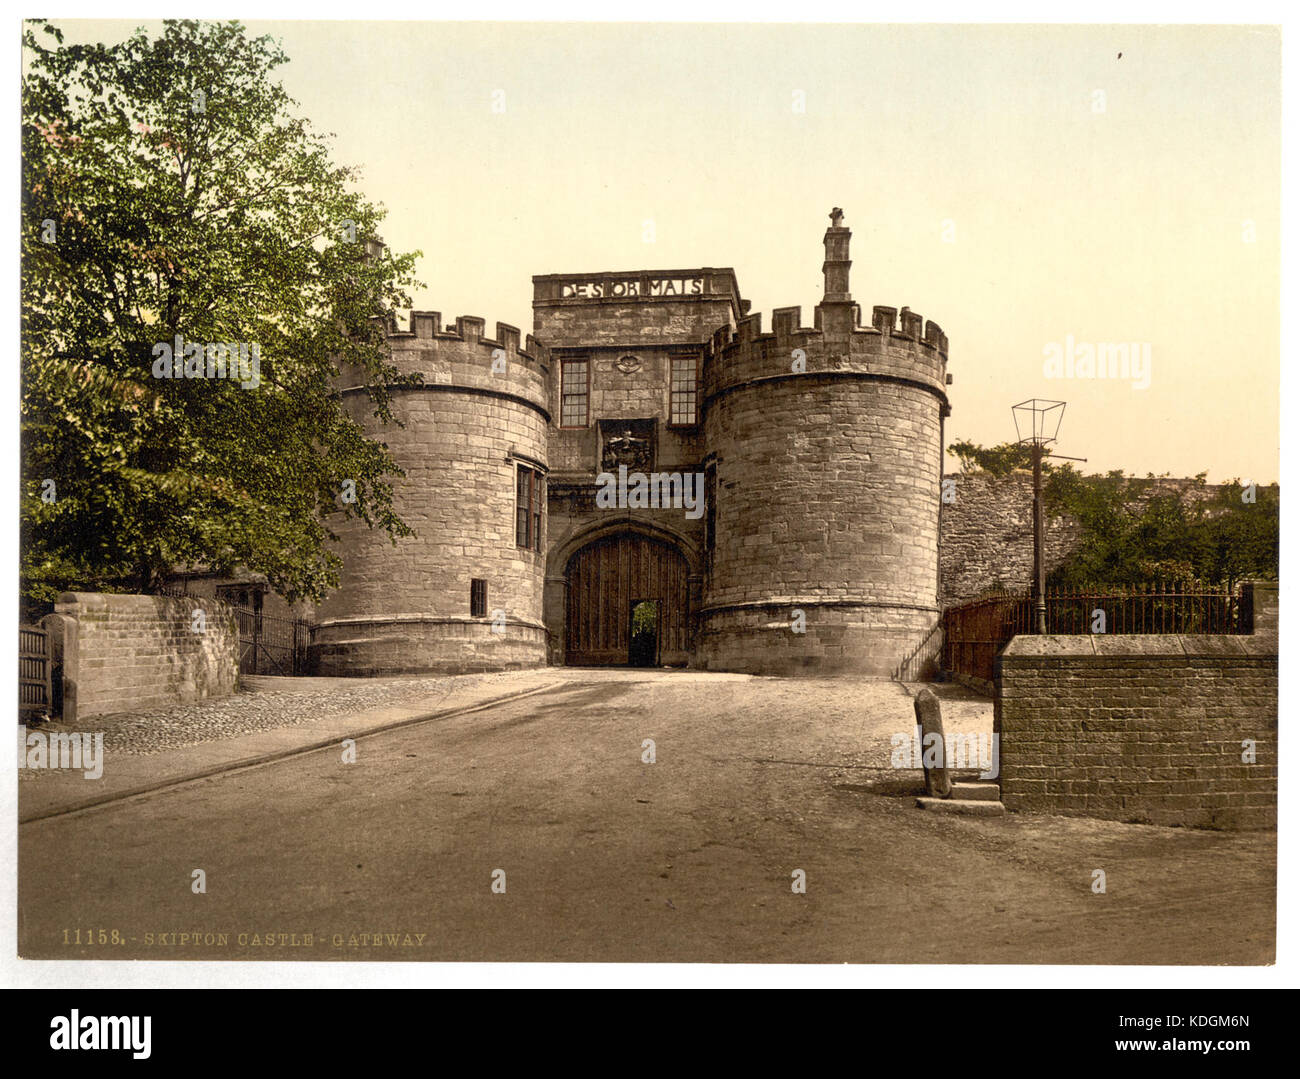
x: 186, y: 197
x: 1238, y: 540
x: 645, y: 619
x: 1133, y: 535
x: 1000, y: 460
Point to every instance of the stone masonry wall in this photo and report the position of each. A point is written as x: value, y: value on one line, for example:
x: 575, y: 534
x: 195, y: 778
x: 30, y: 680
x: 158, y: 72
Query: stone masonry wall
x: 987, y: 538
x: 1145, y: 729
x: 639, y: 394
x: 846, y: 639
x: 405, y: 608
x: 595, y: 316
x: 828, y: 492
x: 828, y: 445
x: 130, y: 653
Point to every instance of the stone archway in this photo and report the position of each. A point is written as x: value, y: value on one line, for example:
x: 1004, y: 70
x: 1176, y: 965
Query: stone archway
x: 606, y: 579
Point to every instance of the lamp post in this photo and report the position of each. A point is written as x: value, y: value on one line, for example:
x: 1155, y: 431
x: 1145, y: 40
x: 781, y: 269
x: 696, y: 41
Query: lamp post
x: 1037, y: 424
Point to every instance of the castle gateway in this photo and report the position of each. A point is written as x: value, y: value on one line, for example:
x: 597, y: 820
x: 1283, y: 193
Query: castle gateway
x: 651, y: 478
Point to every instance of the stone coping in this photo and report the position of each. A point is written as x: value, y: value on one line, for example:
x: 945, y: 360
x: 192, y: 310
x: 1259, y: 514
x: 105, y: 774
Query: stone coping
x: 1140, y: 646
x: 99, y: 601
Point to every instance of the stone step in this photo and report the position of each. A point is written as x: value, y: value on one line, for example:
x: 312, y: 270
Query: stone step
x: 968, y: 806
x: 977, y: 792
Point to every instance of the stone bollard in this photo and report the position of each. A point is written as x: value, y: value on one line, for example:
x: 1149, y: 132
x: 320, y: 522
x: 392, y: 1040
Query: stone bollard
x: 63, y: 666
x: 934, y: 751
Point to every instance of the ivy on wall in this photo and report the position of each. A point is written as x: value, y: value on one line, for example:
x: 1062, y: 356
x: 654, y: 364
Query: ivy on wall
x: 1137, y: 530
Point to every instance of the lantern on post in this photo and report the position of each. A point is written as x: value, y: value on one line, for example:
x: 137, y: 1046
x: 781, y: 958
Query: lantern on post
x: 1037, y: 423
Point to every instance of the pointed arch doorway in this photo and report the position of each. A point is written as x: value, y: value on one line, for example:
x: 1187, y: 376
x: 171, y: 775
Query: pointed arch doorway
x: 627, y: 603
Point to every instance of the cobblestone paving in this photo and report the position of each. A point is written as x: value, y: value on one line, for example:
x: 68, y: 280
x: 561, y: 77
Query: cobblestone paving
x: 264, y: 704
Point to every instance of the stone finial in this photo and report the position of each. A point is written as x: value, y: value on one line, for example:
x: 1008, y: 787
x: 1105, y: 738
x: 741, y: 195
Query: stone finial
x: 835, y: 273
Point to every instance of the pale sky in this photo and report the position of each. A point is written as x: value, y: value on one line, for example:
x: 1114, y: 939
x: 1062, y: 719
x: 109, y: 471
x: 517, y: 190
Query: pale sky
x: 1123, y: 218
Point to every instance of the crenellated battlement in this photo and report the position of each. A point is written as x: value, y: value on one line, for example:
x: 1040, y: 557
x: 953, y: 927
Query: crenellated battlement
x: 469, y: 329
x: 897, y: 344
x: 907, y: 324
x: 460, y: 356
x: 786, y: 323
x: 821, y: 447
x: 470, y: 423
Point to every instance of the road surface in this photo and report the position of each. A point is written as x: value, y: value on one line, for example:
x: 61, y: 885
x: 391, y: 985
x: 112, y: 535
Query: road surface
x: 597, y: 854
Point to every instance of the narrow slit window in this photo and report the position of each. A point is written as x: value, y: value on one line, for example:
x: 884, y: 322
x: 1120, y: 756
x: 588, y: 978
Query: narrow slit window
x: 478, y: 598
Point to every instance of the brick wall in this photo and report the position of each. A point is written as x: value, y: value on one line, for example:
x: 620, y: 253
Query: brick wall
x: 128, y: 653
x: 1145, y: 729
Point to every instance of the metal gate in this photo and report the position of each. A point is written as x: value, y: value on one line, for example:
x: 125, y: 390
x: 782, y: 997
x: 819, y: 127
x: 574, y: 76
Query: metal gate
x: 270, y: 645
x: 976, y: 632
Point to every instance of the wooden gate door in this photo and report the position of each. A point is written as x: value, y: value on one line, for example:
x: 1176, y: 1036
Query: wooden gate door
x: 605, y: 580
x: 33, y: 670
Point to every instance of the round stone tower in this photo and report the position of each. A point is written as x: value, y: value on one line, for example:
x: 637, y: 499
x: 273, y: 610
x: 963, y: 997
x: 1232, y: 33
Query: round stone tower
x: 464, y: 593
x: 825, y: 466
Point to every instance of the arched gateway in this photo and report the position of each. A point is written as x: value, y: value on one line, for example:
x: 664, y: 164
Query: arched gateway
x: 814, y: 487
x: 618, y: 579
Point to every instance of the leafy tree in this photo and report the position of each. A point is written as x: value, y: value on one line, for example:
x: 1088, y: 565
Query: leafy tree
x: 1000, y: 460
x: 169, y: 188
x: 1236, y: 538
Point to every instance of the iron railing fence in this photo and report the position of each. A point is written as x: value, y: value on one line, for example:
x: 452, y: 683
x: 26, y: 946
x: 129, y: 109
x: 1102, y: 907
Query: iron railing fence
x: 921, y: 664
x: 975, y: 632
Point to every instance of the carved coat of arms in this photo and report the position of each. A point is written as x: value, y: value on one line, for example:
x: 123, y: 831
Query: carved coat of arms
x: 624, y: 449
